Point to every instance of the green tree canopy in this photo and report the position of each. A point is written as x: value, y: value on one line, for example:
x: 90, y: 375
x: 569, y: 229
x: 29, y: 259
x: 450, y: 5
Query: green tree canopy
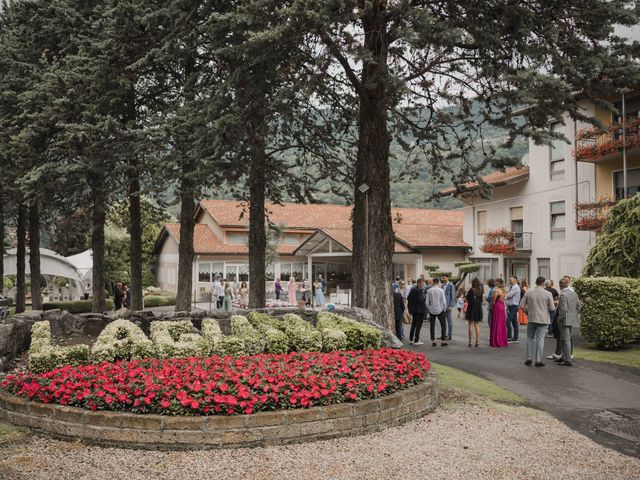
x: 617, y: 249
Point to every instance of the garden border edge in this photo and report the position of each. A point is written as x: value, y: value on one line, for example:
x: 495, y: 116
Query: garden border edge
x: 279, y: 427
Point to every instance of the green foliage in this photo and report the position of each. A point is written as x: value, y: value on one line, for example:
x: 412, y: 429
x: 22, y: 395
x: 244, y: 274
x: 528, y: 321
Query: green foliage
x: 430, y: 267
x: 468, y: 267
x: 116, y: 254
x: 231, y: 345
x: 358, y: 335
x: 439, y: 273
x: 464, y: 262
x: 301, y: 334
x: 253, y: 342
x: 333, y: 339
x: 211, y: 330
x: 610, y: 314
x: 617, y: 249
x: 272, y: 330
x: 75, y: 306
x: 8, y: 282
x: 45, y: 356
x: 153, y: 219
x: 152, y: 301
x: 276, y: 341
x: 122, y: 340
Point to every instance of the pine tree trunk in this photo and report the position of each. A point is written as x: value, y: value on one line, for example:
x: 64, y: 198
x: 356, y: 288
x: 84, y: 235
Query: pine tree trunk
x: 34, y: 256
x: 20, y: 258
x: 257, y: 217
x: 135, y: 213
x: 373, y: 240
x: 135, y: 232
x: 98, y: 218
x: 185, y: 249
x: 1, y: 243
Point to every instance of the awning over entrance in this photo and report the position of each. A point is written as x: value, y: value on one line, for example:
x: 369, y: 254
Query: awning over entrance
x: 325, y: 241
x: 337, y: 242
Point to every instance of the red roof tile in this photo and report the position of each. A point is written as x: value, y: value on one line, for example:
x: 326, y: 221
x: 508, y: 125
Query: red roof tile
x: 509, y: 176
x: 206, y: 242
x: 414, y: 227
x: 233, y: 213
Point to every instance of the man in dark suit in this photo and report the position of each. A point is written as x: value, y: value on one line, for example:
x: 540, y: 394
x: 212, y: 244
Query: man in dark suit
x: 398, y: 310
x: 117, y: 296
x: 417, y: 309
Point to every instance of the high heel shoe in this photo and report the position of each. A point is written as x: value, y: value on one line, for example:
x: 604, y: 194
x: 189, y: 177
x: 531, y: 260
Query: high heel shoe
x: 477, y: 344
x: 469, y: 345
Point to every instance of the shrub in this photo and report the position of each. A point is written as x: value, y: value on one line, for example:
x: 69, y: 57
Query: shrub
x: 262, y: 321
x: 122, y: 340
x: 76, y: 306
x: 617, y: 248
x: 301, y: 335
x: 45, y: 356
x: 276, y: 341
x: 152, y: 301
x: 610, y: 314
x: 176, y: 339
x: 271, y: 330
x: 253, y: 341
x: 359, y: 336
x: 210, y: 331
x: 232, y: 345
x: 333, y: 339
x: 174, y: 328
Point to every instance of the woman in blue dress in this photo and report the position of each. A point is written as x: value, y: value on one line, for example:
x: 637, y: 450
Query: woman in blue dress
x: 319, y: 294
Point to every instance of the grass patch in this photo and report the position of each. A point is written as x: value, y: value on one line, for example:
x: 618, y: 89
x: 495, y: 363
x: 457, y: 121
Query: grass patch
x: 452, y: 378
x: 10, y: 433
x: 629, y: 357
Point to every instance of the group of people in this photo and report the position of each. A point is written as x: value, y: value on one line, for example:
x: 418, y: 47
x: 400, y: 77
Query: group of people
x: 121, y: 296
x: 304, y: 288
x: 224, y: 293
x: 543, y: 310
x: 432, y: 298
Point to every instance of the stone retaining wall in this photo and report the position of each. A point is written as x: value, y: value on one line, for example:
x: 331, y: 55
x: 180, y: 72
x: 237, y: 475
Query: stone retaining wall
x: 260, y: 429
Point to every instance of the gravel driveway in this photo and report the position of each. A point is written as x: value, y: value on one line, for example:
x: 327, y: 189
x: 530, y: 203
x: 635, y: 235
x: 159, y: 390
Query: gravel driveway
x: 464, y: 439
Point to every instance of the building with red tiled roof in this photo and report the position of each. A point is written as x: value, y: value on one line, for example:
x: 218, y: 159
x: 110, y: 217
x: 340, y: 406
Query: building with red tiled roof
x: 316, y: 239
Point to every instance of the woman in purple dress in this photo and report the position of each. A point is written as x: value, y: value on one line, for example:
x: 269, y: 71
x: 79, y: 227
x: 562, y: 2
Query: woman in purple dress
x: 498, y: 334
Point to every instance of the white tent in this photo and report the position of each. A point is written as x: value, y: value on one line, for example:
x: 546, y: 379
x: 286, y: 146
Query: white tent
x: 83, y: 262
x: 50, y: 264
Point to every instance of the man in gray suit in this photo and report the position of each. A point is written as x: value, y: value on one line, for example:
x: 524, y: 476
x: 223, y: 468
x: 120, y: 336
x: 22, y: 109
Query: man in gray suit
x: 537, y: 303
x: 568, y: 311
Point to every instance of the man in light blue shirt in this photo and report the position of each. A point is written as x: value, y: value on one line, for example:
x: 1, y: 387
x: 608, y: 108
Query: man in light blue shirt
x: 513, y: 300
x: 436, y: 304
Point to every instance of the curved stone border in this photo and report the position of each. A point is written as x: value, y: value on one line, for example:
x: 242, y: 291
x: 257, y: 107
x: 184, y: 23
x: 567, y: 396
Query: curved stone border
x: 260, y: 429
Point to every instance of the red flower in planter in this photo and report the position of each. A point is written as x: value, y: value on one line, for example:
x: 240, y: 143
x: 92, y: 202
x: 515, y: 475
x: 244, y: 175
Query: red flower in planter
x: 225, y: 385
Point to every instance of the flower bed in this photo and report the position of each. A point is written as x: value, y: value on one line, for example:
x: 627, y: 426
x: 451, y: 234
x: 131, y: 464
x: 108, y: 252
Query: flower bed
x: 225, y: 385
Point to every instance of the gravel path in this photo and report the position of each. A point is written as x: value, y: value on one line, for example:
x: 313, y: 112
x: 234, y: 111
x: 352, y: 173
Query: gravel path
x: 462, y: 440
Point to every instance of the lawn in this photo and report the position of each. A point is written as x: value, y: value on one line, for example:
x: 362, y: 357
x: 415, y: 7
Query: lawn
x: 452, y: 378
x: 629, y: 357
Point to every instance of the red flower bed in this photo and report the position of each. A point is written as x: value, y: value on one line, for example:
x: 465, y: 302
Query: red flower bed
x: 225, y: 385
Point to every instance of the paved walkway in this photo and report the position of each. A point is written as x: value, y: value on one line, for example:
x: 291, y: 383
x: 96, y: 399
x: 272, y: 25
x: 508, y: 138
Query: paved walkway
x: 586, y: 396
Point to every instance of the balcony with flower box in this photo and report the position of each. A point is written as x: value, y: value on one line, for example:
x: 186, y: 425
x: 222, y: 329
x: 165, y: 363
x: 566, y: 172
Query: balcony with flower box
x: 593, y: 215
x: 595, y: 145
x: 506, y: 242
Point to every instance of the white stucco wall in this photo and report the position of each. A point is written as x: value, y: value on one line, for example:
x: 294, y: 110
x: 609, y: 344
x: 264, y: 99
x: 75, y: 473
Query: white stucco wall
x: 566, y: 256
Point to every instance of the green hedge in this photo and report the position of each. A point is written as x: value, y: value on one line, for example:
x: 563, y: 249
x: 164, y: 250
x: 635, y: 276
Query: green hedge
x: 152, y: 301
x: 75, y: 306
x: 610, y: 314
x: 45, y: 356
x: 359, y: 336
